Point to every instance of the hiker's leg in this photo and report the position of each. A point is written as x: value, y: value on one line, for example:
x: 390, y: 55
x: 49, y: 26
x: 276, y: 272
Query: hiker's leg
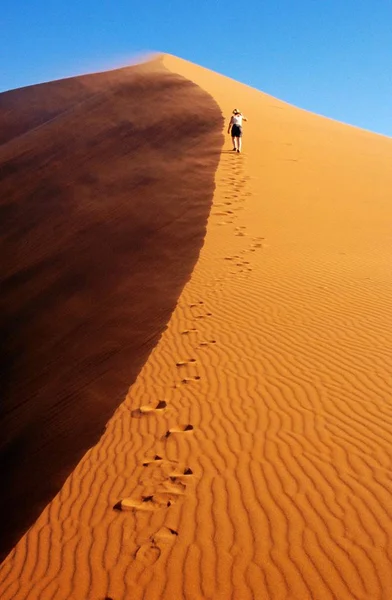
x: 233, y: 140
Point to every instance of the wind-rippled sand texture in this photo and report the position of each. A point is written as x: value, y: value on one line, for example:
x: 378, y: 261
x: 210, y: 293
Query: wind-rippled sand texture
x: 251, y: 458
x: 106, y: 185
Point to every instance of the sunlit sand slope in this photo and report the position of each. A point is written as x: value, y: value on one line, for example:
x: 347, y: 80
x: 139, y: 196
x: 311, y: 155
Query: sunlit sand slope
x: 106, y: 185
x: 251, y: 458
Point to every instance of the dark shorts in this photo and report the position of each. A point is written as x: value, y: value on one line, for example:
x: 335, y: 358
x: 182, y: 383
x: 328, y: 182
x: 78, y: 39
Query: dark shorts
x: 236, y: 131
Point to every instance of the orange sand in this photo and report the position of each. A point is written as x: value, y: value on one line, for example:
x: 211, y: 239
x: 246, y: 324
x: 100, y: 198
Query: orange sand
x: 277, y: 355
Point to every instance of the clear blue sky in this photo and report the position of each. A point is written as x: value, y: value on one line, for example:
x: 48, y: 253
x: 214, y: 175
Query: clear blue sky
x: 333, y: 57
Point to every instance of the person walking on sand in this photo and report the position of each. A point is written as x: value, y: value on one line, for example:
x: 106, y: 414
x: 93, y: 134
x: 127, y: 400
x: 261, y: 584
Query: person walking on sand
x: 235, y: 128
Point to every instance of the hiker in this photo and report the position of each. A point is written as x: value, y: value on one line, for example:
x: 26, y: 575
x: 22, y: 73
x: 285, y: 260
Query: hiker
x: 235, y: 127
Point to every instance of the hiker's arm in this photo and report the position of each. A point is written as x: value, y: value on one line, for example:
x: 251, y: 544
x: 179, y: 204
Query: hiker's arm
x: 228, y: 129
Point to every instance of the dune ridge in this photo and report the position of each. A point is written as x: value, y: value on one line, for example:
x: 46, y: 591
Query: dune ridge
x: 265, y: 474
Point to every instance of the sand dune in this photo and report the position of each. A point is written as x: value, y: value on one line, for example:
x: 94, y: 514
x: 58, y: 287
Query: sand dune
x: 106, y: 188
x: 251, y: 457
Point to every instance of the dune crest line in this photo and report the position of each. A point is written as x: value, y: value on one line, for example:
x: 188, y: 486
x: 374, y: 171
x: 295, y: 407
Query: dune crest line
x: 251, y: 457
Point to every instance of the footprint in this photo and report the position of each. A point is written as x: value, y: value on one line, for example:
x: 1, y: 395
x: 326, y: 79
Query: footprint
x: 174, y: 477
x: 164, y: 497
x: 145, y: 410
x: 182, y: 363
x: 148, y: 553
x: 169, y: 494
x: 156, y: 459
x: 147, y: 503
x: 196, y: 304
x: 203, y: 316
x: 190, y: 379
x: 174, y: 489
x: 164, y: 534
x: 207, y: 343
x: 188, y: 331
x: 151, y: 551
x: 185, y: 428
x: 161, y: 471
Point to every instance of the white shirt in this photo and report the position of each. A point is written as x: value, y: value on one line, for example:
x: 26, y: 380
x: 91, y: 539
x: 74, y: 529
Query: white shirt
x: 236, y: 120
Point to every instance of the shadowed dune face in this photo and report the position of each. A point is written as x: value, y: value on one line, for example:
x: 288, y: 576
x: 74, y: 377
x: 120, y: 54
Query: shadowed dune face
x: 106, y: 185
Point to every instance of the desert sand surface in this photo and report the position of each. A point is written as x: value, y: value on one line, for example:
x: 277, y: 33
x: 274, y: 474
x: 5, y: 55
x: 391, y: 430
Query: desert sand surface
x: 106, y: 186
x: 251, y: 457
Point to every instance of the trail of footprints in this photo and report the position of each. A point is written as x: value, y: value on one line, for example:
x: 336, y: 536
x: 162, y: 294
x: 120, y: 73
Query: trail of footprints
x: 167, y: 480
x: 169, y: 483
x: 238, y: 260
x: 234, y: 198
x: 236, y: 183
